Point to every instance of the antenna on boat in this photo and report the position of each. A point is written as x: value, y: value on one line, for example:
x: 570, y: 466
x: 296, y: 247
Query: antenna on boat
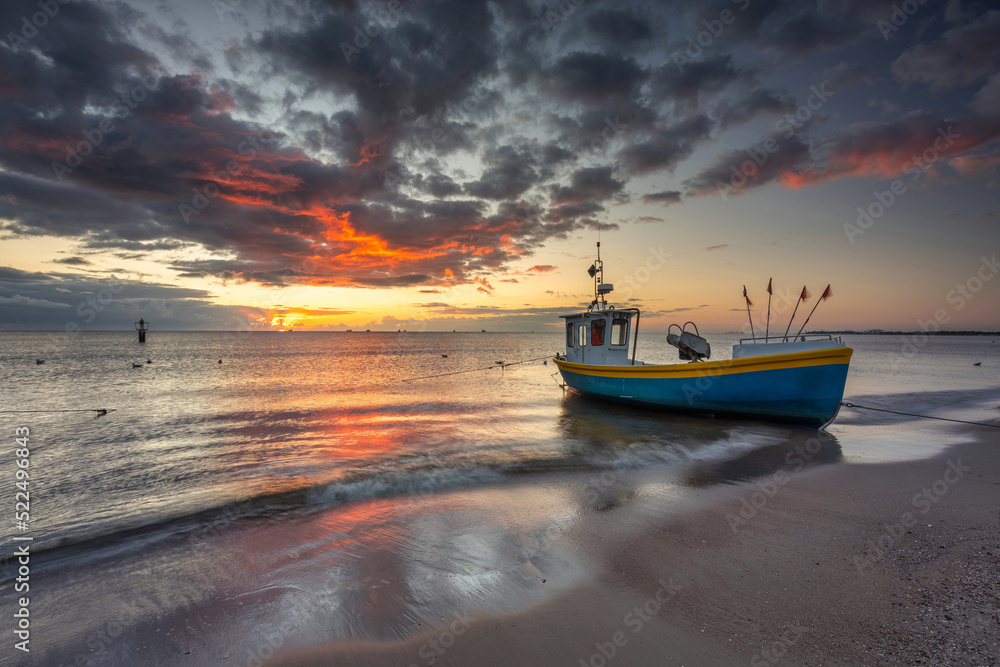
x: 596, y: 272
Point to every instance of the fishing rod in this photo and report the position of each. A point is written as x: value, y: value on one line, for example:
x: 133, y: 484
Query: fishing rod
x: 749, y: 303
x: 826, y: 295
x: 802, y: 297
x: 500, y: 364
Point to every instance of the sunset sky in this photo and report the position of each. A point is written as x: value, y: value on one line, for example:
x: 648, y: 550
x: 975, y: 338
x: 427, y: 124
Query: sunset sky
x: 451, y: 165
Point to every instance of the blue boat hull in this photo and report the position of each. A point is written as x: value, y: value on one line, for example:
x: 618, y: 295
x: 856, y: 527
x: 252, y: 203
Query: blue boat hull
x: 801, y: 388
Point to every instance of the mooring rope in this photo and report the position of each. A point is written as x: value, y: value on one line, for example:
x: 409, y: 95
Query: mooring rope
x: 912, y: 414
x: 501, y: 366
x: 99, y: 411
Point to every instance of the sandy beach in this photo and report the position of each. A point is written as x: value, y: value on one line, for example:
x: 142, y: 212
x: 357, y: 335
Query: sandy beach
x: 847, y: 564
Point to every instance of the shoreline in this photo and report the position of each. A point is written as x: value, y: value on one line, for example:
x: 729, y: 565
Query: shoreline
x: 856, y: 563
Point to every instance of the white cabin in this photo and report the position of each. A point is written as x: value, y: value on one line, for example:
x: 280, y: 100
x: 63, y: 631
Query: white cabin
x: 600, y: 337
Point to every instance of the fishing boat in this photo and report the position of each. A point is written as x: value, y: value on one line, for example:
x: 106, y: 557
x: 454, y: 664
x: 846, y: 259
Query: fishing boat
x: 798, y: 379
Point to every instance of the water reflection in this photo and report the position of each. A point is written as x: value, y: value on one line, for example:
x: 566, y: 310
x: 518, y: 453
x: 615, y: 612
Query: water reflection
x: 802, y: 448
x: 714, y: 450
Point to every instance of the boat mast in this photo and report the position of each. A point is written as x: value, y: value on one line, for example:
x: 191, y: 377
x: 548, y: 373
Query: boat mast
x: 596, y: 272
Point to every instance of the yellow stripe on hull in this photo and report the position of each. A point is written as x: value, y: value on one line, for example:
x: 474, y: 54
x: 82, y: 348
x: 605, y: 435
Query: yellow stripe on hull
x: 829, y: 356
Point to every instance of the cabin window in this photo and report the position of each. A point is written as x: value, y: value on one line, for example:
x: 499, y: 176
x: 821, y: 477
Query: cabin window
x: 583, y: 335
x: 597, y: 332
x: 619, y: 332
x: 569, y: 334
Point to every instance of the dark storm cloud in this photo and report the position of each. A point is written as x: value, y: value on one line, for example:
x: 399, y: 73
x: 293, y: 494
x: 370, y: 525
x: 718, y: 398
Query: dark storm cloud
x: 735, y: 172
x: 590, y: 183
x: 907, y: 146
x: 666, y: 147
x: 809, y: 31
x: 438, y: 185
x: 509, y: 173
x: 666, y: 197
x: 574, y: 211
x: 693, y: 80
x: 617, y: 29
x: 11, y: 275
x: 594, y: 77
x: 846, y: 75
x: 962, y: 55
x: 748, y: 17
x: 748, y: 105
x: 448, y: 142
x: 553, y: 154
x: 73, y: 302
x: 430, y: 57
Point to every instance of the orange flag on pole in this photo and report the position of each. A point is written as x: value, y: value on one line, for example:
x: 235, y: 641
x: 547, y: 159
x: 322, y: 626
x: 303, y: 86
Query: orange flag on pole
x: 826, y: 295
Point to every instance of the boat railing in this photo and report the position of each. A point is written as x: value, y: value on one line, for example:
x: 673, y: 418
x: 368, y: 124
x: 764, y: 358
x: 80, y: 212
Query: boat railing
x: 791, y: 339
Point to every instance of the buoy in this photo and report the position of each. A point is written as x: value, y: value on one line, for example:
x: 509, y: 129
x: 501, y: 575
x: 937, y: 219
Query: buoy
x: 149, y: 361
x: 220, y: 361
x: 142, y: 326
x: 444, y: 356
x: 978, y: 363
x: 39, y: 361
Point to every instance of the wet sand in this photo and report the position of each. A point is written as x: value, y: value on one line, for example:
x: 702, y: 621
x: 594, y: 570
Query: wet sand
x: 845, y: 564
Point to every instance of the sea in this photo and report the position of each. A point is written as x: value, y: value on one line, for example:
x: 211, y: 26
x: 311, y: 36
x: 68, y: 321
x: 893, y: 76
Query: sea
x: 308, y: 481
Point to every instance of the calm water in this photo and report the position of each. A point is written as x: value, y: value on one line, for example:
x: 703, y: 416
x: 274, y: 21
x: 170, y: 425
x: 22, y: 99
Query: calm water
x: 290, y: 426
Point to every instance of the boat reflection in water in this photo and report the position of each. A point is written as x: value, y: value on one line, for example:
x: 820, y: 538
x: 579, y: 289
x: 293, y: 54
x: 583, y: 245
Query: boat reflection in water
x: 710, y: 451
